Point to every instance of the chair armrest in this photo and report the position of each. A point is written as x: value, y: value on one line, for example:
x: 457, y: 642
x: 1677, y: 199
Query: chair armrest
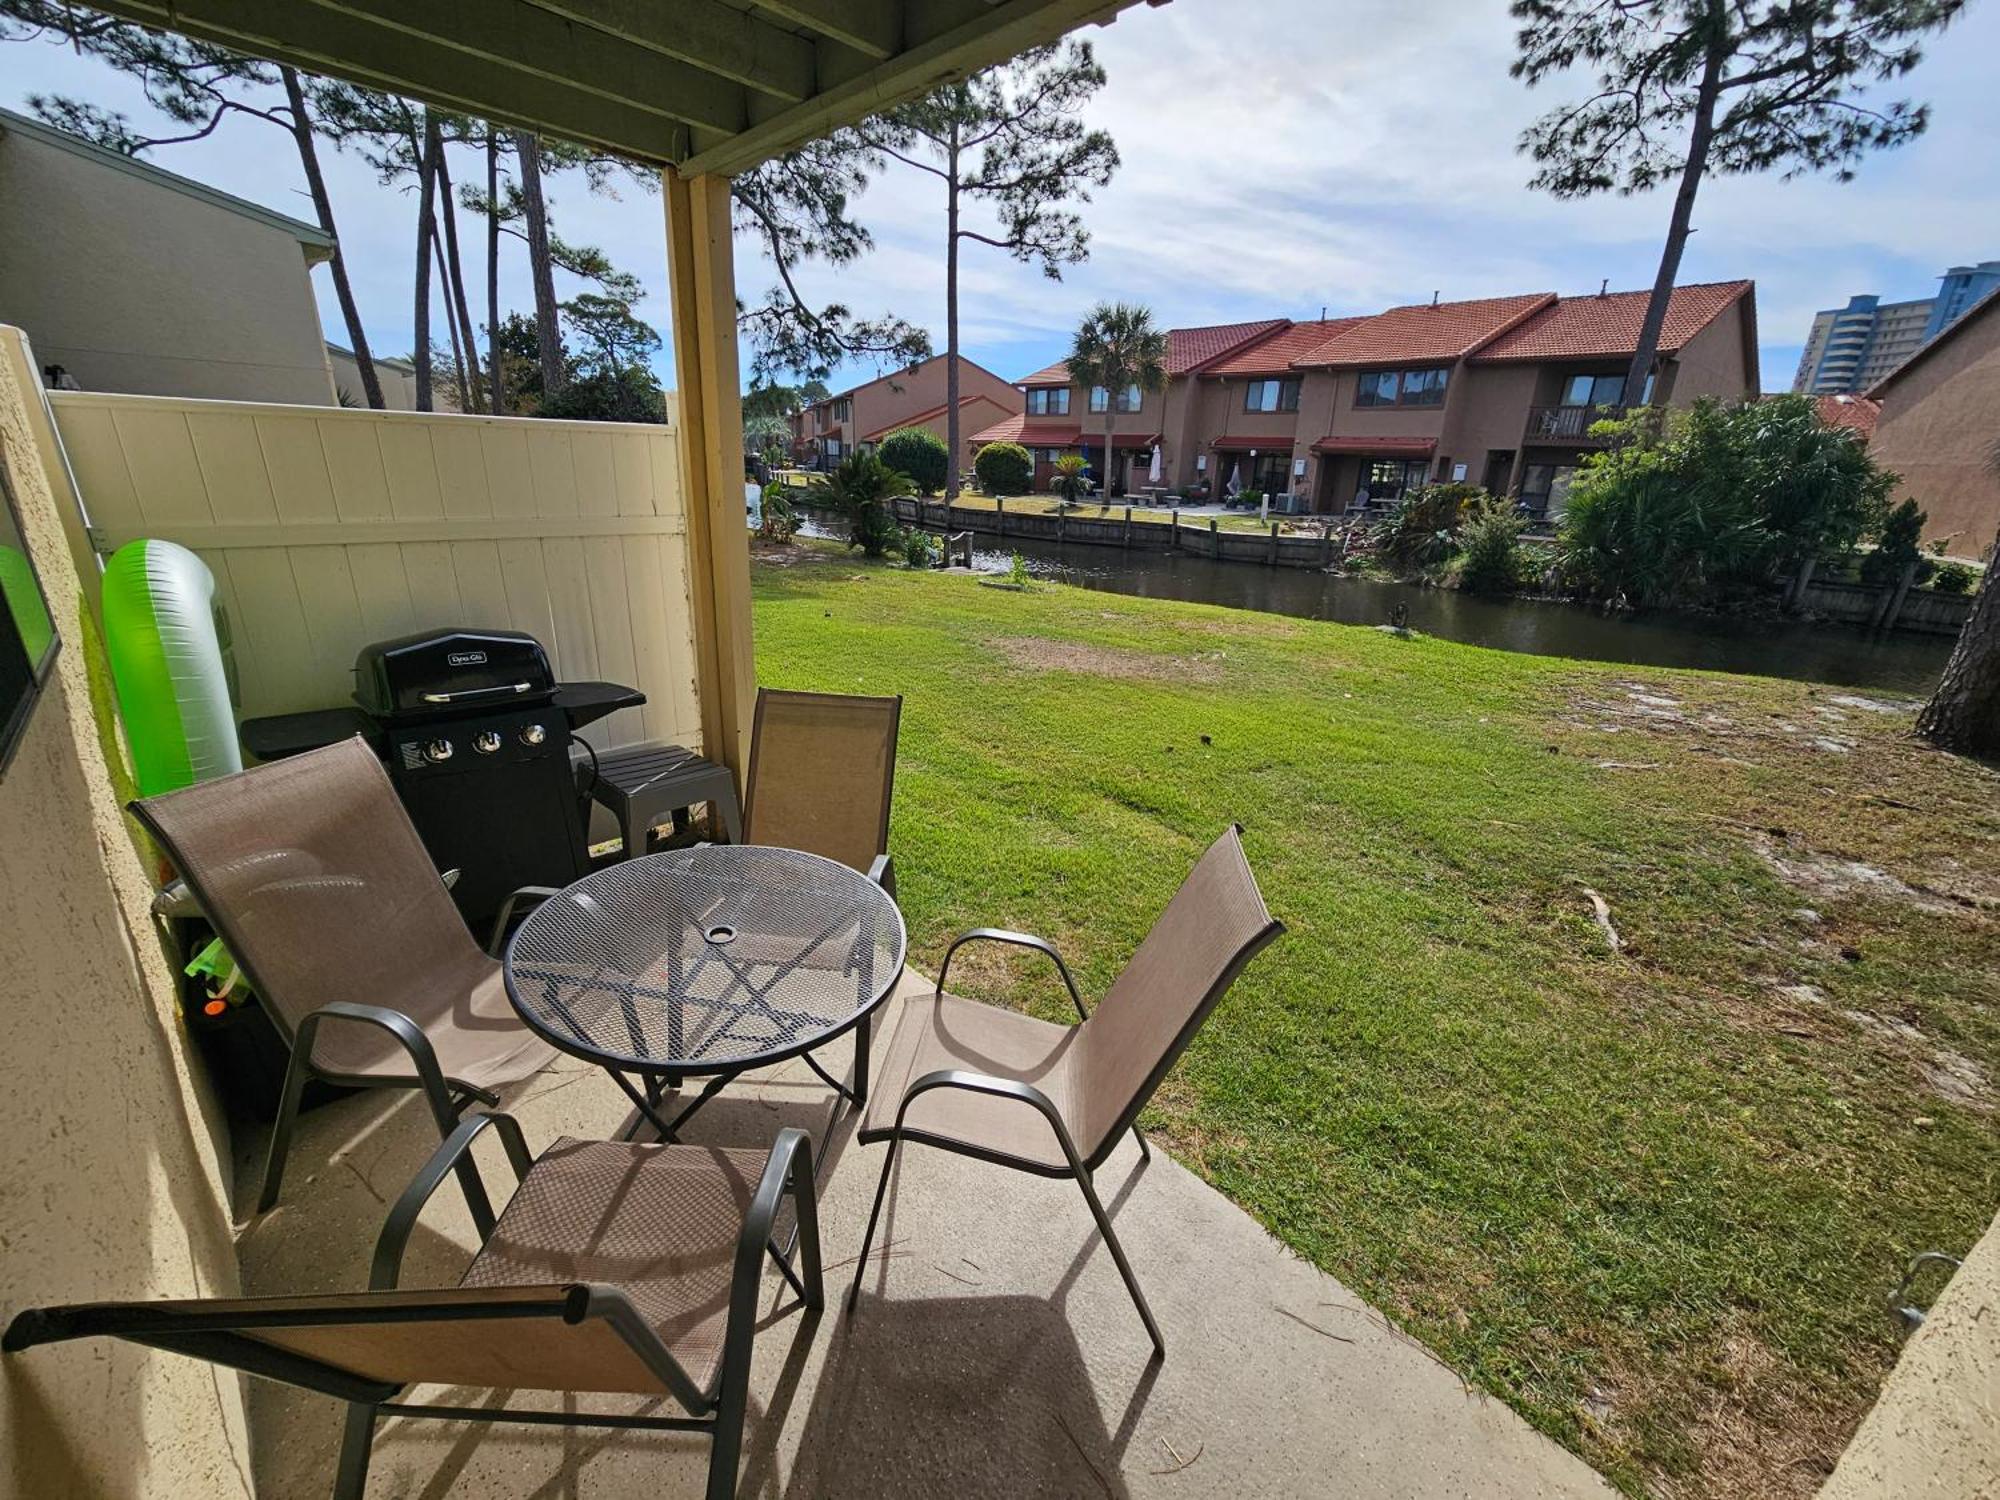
x: 1017, y: 940
x: 527, y: 895
x: 790, y: 1163
x: 387, y: 1268
x: 883, y: 873
x: 999, y: 1088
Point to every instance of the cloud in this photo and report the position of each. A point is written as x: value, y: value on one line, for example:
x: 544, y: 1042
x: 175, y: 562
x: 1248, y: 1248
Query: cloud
x: 1277, y: 158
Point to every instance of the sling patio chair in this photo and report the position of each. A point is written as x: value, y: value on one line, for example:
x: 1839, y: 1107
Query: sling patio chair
x: 822, y: 773
x: 1054, y: 1100
x: 313, y: 876
x: 616, y: 1268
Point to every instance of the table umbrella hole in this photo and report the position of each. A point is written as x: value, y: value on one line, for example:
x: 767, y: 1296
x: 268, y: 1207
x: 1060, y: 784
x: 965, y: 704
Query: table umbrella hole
x: 720, y: 935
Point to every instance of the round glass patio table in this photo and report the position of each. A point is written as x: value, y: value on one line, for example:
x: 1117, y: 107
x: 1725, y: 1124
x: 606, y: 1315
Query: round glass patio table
x: 708, y: 961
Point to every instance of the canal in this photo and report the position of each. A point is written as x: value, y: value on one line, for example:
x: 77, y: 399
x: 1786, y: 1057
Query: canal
x: 1900, y: 662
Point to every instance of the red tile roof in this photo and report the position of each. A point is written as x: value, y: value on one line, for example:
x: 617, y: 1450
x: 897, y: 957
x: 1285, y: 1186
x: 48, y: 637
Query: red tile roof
x: 1029, y: 433
x: 1273, y: 354
x: 1188, y: 349
x: 1607, y: 326
x: 1857, y: 412
x: 1409, y: 445
x: 1425, y: 333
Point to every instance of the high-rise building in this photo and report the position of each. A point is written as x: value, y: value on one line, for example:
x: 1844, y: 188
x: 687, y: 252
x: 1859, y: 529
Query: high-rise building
x: 1852, y: 347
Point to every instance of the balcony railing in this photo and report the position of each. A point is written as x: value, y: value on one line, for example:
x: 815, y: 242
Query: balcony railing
x: 1567, y: 424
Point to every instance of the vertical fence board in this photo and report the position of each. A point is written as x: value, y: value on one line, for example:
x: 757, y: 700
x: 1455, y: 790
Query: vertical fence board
x: 232, y: 466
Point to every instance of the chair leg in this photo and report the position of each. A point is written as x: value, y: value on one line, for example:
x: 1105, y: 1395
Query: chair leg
x: 875, y: 1213
x: 863, y: 1036
x: 297, y: 1072
x: 805, y: 1207
x: 731, y: 1402
x: 351, y: 1478
x: 445, y: 1113
x: 1124, y: 1266
x: 725, y: 807
x: 1145, y: 1150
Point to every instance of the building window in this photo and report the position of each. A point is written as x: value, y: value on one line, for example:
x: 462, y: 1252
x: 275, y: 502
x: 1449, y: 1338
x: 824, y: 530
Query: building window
x: 842, y: 410
x: 1600, y: 390
x: 1545, y: 488
x: 1386, y: 478
x: 833, y: 447
x: 1270, y: 473
x: 1271, y: 395
x: 1129, y: 399
x: 1049, y: 403
x: 1401, y: 387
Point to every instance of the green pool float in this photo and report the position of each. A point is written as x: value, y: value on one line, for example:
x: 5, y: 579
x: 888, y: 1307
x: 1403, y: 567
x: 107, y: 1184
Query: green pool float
x: 169, y: 666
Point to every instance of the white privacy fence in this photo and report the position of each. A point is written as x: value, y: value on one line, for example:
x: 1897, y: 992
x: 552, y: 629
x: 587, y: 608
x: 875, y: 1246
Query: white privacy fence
x: 327, y: 528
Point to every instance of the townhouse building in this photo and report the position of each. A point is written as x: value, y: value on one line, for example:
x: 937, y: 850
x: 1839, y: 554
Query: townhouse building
x: 862, y: 415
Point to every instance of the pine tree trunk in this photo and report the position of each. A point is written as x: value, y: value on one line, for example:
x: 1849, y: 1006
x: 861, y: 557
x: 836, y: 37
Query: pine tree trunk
x: 452, y: 335
x: 455, y: 278
x: 951, y: 432
x: 496, y: 387
x: 548, y: 331
x: 1678, y: 227
x: 1964, y: 712
x: 343, y: 289
x: 426, y: 192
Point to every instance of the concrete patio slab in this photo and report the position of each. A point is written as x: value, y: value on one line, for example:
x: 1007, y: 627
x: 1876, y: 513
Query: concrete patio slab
x: 994, y: 1351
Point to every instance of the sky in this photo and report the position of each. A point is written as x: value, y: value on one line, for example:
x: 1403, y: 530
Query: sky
x: 1273, y: 165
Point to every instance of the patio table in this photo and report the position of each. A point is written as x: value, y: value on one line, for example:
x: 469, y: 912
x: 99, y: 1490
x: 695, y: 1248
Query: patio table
x: 708, y: 962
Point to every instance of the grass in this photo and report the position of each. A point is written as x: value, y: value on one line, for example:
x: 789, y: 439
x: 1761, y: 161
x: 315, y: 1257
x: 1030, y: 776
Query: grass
x: 1652, y: 1197
x: 1092, y: 510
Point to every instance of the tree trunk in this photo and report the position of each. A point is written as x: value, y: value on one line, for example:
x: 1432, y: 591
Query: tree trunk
x: 452, y: 335
x: 455, y: 278
x: 343, y: 289
x: 1678, y: 225
x: 426, y: 192
x: 951, y: 432
x: 496, y: 388
x: 1964, y: 712
x: 548, y: 331
x: 1110, y: 421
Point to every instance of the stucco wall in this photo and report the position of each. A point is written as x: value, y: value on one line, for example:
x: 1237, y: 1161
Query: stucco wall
x: 110, y: 1177
x: 399, y: 385
x: 1935, y: 1431
x: 1713, y: 362
x: 131, y: 285
x: 1937, y: 429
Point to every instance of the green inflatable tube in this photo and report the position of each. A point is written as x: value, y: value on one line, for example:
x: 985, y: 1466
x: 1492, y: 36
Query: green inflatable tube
x: 168, y: 666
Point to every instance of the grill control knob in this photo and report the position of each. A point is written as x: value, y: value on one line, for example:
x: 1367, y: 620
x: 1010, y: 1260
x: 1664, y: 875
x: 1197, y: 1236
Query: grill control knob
x: 437, y: 751
x: 533, y: 734
x: 486, y: 741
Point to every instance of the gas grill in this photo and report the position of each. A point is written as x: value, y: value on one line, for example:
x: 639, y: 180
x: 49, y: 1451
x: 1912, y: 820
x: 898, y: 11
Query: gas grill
x: 475, y: 731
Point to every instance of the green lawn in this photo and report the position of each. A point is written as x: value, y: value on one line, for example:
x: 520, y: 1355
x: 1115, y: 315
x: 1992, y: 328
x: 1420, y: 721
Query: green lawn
x: 1653, y: 1197
x: 1091, y: 510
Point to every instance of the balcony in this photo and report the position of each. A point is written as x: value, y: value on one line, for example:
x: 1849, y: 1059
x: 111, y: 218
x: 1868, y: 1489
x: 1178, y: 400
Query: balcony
x: 1569, y: 425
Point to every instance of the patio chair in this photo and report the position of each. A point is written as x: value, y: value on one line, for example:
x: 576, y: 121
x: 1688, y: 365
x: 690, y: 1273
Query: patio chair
x: 1054, y: 1100
x: 312, y: 874
x: 822, y: 773
x: 616, y: 1268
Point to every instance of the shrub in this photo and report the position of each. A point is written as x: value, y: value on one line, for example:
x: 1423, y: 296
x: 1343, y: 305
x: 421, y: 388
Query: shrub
x: 1490, y: 560
x: 1953, y: 578
x: 1072, y: 478
x: 781, y: 518
x: 920, y: 455
x: 1004, y: 469
x: 919, y: 547
x: 1896, y: 548
x: 1422, y: 531
x: 860, y: 489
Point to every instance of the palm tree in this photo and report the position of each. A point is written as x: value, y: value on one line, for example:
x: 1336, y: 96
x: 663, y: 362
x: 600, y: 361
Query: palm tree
x: 1116, y: 347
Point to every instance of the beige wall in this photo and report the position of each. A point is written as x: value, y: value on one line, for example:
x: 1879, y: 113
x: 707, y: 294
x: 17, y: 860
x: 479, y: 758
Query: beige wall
x: 132, y: 285
x: 1937, y: 429
x: 112, y: 1182
x: 1934, y: 1433
x: 327, y: 529
x: 399, y: 385
x: 1713, y: 362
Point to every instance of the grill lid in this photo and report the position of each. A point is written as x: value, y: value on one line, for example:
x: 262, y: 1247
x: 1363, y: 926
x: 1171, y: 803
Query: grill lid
x: 451, y: 671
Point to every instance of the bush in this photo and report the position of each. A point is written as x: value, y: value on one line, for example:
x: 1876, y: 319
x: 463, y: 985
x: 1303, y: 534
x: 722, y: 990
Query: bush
x: 1490, y: 560
x: 628, y: 395
x: 781, y: 517
x: 1953, y: 578
x: 1072, y: 479
x: 1004, y: 469
x: 1896, y: 549
x: 861, y: 489
x: 919, y: 547
x: 919, y: 454
x: 1422, y: 531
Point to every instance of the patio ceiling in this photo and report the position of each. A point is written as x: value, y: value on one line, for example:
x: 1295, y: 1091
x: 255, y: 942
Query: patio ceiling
x: 709, y: 86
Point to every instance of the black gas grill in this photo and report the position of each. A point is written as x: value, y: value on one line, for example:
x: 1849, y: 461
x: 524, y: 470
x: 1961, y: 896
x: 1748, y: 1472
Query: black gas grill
x: 475, y: 731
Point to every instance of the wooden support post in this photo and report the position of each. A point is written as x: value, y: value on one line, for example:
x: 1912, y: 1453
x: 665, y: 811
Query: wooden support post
x: 1903, y: 584
x: 1214, y: 538
x: 1126, y: 540
x: 1000, y: 514
x: 701, y: 275
x: 1272, y: 558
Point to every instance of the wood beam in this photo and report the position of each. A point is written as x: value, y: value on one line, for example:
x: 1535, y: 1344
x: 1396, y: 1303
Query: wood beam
x: 708, y: 34
x: 348, y: 47
x: 701, y: 273
x: 871, y: 26
x: 967, y: 42
x: 514, y: 34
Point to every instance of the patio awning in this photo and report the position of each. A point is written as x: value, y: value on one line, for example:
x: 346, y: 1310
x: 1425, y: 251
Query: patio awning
x: 1273, y: 442
x: 1119, y: 440
x: 1387, y: 447
x: 709, y: 86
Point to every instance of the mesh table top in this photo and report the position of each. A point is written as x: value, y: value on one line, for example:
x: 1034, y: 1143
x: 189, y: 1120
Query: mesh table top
x: 705, y: 960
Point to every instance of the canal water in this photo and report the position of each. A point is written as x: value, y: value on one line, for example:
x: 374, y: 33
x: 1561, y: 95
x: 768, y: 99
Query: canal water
x: 1900, y: 661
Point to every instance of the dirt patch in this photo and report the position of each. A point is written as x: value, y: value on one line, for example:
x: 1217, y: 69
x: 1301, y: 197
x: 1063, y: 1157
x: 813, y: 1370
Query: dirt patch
x: 1041, y: 655
x: 1754, y: 1438
x: 1828, y: 877
x: 1948, y: 1074
x: 791, y: 555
